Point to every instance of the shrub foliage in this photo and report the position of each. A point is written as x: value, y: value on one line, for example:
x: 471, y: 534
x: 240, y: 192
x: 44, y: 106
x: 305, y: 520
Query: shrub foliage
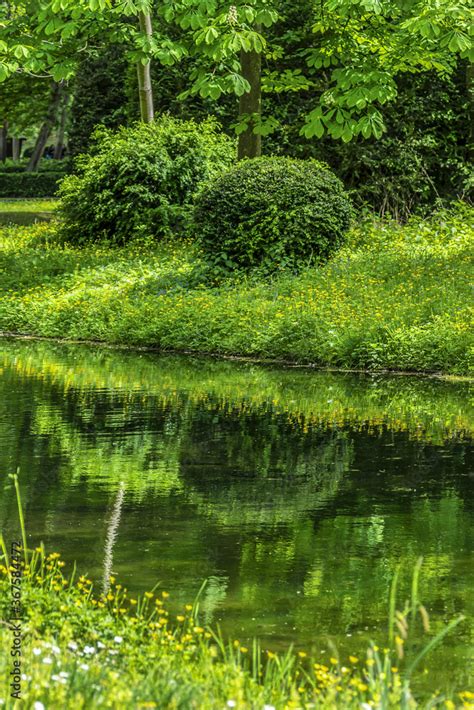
x: 272, y: 213
x: 140, y: 181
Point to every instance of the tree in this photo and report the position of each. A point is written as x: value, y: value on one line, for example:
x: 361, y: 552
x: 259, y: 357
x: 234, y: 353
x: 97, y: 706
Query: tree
x: 250, y: 104
x: 145, y: 90
x: 57, y: 92
x: 100, y: 91
x: 21, y: 106
x: 353, y: 52
x: 364, y: 46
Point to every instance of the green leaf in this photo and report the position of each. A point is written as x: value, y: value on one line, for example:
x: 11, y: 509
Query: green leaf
x: 210, y: 35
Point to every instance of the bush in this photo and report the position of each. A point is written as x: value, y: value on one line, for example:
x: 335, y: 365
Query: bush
x: 140, y: 181
x: 15, y: 184
x: 272, y: 212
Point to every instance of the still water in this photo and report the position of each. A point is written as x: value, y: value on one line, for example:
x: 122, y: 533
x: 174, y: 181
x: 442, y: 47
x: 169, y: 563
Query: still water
x: 295, y: 493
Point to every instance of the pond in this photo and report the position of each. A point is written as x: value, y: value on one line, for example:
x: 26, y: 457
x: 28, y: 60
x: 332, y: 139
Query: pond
x: 24, y: 218
x: 27, y: 211
x: 295, y: 493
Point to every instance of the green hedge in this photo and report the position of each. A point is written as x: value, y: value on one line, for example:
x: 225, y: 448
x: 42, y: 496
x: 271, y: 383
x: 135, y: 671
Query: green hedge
x: 29, y: 184
x: 45, y: 166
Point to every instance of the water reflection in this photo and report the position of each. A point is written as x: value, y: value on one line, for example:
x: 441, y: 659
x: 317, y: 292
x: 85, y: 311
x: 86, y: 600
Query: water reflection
x: 295, y: 493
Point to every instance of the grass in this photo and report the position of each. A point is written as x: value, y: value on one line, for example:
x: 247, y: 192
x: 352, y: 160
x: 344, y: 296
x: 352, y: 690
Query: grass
x: 396, y: 297
x: 87, y: 649
x: 22, y: 205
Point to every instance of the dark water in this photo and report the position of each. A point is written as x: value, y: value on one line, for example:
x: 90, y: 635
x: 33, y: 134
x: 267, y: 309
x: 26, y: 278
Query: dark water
x: 297, y: 494
x: 24, y: 218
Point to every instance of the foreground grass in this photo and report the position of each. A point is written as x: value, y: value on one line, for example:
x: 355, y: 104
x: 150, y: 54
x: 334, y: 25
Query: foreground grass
x: 109, y: 650
x: 395, y: 297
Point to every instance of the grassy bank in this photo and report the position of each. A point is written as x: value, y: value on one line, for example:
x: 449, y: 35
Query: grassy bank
x: 395, y: 297
x: 82, y: 649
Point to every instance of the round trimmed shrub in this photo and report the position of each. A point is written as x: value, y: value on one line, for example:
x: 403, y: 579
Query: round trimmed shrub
x: 273, y: 213
x: 140, y: 181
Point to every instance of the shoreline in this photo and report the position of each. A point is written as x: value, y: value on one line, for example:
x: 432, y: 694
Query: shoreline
x: 288, y: 364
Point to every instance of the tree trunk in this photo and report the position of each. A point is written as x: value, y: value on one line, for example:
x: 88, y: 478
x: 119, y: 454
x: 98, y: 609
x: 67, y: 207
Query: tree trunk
x: 145, y: 90
x: 250, y: 144
x: 3, y: 141
x: 46, y: 128
x: 16, y: 148
x: 59, y: 147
